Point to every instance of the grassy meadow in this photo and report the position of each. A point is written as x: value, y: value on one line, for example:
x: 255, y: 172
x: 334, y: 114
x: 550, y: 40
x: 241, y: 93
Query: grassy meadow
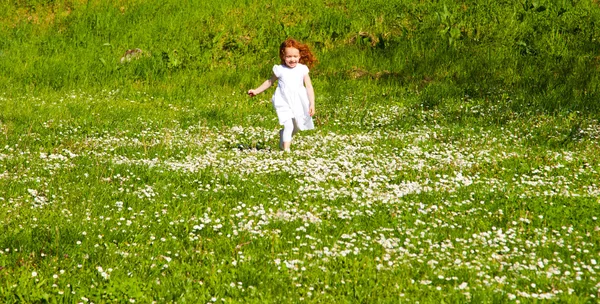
x: 455, y: 159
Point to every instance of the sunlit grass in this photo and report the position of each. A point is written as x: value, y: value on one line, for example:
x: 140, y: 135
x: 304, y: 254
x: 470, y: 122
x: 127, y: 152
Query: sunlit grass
x: 455, y: 156
x: 111, y: 206
x: 541, y: 55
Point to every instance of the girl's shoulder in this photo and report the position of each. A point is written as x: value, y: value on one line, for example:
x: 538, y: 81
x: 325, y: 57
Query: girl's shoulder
x: 278, y: 69
x: 300, y: 68
x: 304, y: 68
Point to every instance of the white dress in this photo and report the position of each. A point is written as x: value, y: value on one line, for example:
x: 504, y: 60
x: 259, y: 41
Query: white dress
x: 290, y: 99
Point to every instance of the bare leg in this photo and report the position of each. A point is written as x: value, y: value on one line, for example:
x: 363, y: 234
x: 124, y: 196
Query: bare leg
x: 286, y: 134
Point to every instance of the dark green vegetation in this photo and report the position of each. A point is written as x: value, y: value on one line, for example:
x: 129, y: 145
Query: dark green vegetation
x: 539, y: 55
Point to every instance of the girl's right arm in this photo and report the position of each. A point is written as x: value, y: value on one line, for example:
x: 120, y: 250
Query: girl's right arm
x: 267, y: 84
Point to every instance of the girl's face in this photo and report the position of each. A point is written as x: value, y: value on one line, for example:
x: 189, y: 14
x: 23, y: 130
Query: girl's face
x: 291, y: 56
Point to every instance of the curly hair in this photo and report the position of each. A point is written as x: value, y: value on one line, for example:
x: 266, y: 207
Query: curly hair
x: 306, y: 56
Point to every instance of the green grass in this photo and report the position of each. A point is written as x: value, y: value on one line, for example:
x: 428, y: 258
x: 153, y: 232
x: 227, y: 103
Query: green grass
x: 372, y: 209
x: 542, y: 54
x: 455, y: 156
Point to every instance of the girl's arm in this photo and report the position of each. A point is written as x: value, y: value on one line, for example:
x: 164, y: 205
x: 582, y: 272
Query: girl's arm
x: 311, y: 95
x: 267, y: 84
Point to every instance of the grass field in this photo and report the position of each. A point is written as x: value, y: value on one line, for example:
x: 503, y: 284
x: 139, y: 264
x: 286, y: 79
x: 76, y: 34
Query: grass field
x: 431, y: 177
x: 109, y: 199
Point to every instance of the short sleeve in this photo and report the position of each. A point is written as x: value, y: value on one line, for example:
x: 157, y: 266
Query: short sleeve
x: 304, y: 70
x: 277, y: 71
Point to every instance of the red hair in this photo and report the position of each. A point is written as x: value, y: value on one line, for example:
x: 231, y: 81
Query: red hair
x: 306, y: 56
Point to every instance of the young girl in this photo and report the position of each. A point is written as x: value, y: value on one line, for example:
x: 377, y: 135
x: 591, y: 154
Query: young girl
x: 294, y: 98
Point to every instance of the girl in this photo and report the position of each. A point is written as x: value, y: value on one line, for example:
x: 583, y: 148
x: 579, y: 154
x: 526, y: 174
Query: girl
x: 294, y: 98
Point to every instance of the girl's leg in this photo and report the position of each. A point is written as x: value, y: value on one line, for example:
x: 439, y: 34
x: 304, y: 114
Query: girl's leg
x: 296, y: 129
x: 286, y: 135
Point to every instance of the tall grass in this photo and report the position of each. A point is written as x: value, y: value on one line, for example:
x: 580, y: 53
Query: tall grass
x: 541, y: 52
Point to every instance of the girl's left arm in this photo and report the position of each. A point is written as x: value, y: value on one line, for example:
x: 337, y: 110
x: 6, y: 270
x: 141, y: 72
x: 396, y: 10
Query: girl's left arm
x: 311, y: 95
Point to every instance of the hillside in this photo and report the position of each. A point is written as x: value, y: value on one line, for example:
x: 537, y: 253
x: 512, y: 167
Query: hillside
x: 542, y: 55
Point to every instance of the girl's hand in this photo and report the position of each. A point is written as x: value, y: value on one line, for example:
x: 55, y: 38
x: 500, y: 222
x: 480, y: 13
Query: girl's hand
x: 311, y: 110
x: 252, y: 93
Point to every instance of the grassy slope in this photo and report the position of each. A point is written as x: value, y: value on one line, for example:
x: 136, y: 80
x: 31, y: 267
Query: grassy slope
x: 544, y: 51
